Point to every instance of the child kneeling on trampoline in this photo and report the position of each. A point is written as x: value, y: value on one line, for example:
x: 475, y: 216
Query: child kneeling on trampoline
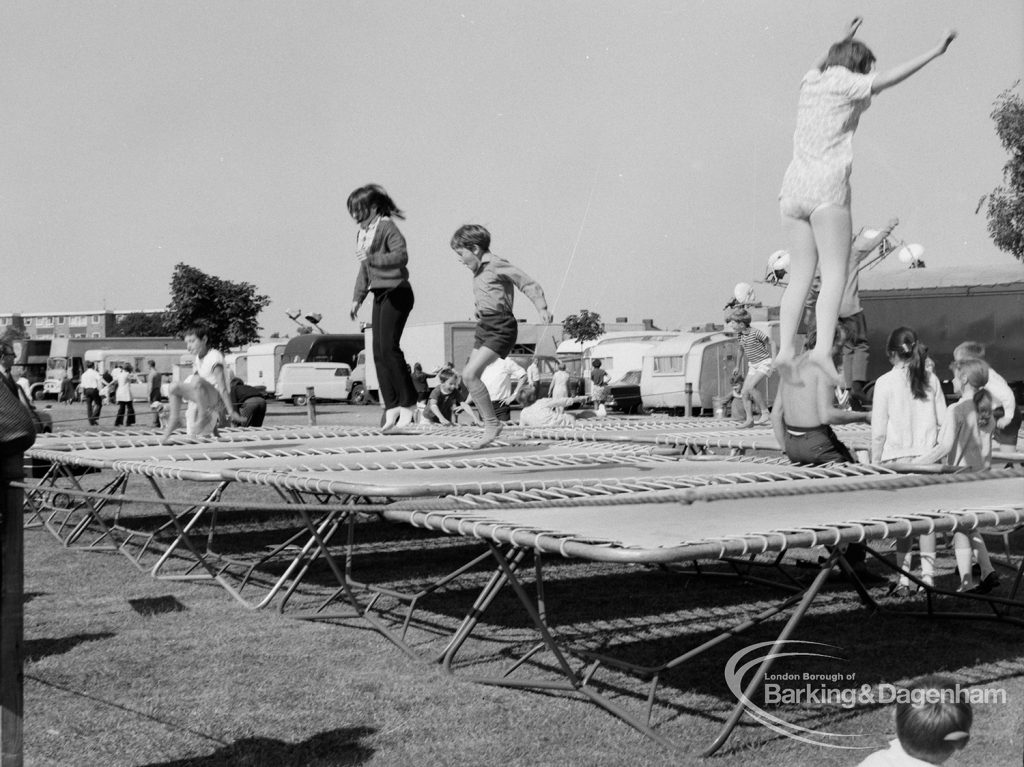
x: 203, y: 409
x: 933, y: 721
x: 548, y: 411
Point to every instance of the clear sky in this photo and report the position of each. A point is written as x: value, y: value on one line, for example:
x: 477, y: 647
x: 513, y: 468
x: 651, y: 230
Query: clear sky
x: 628, y: 155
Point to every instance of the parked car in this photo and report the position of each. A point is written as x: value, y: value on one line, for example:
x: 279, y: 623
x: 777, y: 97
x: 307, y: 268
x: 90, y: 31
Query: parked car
x: 625, y: 394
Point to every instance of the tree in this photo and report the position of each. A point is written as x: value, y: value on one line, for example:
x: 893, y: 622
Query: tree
x: 143, y: 324
x: 1006, y: 202
x: 583, y: 326
x: 228, y: 309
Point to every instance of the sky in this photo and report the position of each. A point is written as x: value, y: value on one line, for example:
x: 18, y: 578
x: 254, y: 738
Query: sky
x: 627, y: 155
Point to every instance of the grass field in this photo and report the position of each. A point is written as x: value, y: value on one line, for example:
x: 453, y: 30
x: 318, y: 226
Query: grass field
x: 125, y: 670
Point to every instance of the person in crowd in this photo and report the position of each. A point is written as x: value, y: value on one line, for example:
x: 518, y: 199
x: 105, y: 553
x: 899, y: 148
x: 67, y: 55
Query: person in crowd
x: 550, y: 411
x: 1008, y: 418
x: 17, y: 425
x: 598, y: 386
x: 111, y: 377
x: 22, y: 380
x: 155, y: 396
x: 383, y: 259
x: 559, y: 383
x: 965, y: 441
x: 446, y: 399
x: 815, y: 195
x: 494, y: 280
x: 123, y: 396
x: 250, y: 403
x: 421, y: 382
x: 802, y: 419
x: 757, y: 349
x: 504, y: 380
x: 92, y: 385
x: 907, y: 413
x: 533, y: 373
x: 933, y: 722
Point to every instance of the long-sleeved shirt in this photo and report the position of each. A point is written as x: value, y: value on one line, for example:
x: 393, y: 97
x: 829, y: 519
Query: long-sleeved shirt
x: 386, y: 260
x: 494, y: 282
x: 1002, y: 394
x: 901, y: 425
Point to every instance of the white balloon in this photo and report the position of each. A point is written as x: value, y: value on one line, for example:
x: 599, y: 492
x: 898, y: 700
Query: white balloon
x: 744, y: 292
x: 916, y: 249
x: 905, y: 255
x: 870, y: 233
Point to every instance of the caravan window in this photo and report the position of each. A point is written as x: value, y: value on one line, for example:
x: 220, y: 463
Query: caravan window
x: 673, y: 364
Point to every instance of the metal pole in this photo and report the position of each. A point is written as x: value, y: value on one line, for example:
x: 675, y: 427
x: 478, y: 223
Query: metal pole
x: 311, y: 405
x: 689, y: 399
x: 12, y: 617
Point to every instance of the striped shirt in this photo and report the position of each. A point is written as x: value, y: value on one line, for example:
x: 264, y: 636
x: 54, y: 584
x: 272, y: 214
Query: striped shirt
x: 755, y: 346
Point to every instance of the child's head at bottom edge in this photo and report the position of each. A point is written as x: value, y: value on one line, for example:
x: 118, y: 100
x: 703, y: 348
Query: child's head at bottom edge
x: 933, y: 718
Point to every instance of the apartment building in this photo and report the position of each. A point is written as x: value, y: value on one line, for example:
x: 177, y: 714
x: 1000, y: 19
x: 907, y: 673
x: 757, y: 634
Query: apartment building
x: 91, y: 324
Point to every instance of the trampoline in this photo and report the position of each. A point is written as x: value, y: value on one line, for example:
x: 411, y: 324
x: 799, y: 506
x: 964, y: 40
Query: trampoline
x: 606, y: 493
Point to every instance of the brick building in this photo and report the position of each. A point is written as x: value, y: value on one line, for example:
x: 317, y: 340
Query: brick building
x: 90, y: 324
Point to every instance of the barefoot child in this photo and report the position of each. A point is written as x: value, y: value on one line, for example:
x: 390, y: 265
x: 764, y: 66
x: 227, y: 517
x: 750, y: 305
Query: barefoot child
x: 493, y: 281
x: 757, y: 349
x: 815, y: 196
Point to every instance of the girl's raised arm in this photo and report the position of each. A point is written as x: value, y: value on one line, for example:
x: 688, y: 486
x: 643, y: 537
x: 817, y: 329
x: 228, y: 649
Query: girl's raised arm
x: 902, y: 71
x: 848, y: 32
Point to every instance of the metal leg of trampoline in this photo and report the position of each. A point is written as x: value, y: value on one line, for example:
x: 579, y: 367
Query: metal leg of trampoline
x: 787, y: 631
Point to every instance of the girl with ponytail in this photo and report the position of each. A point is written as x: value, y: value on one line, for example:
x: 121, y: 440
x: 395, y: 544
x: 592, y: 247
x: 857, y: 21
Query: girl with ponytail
x: 908, y: 410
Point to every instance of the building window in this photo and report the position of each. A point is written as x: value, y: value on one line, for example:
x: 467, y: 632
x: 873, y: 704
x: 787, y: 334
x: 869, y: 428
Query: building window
x: 28, y: 320
x: 4, y: 321
x: 95, y: 319
x: 96, y: 335
x: 78, y: 319
x: 60, y: 320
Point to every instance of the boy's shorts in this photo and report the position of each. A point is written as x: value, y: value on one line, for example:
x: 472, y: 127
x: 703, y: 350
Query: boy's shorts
x: 764, y: 368
x: 497, y: 332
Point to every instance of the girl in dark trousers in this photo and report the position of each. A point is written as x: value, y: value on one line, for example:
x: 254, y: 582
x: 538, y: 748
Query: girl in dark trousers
x: 382, y: 257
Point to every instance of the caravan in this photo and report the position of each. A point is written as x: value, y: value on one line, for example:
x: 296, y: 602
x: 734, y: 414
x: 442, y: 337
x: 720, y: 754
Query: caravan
x: 621, y: 353
x: 260, y: 365
x: 704, y: 361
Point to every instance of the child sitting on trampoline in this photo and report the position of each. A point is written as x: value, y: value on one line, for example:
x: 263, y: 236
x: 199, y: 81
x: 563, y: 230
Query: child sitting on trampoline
x: 933, y: 722
x: 965, y: 440
x: 494, y: 280
x: 550, y: 411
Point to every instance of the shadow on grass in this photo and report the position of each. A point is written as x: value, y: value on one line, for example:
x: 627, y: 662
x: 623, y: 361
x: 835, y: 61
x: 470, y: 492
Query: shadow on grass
x: 334, y: 748
x: 36, y: 649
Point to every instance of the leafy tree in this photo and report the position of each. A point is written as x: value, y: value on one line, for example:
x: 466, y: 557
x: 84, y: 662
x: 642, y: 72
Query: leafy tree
x: 228, y: 309
x: 12, y: 333
x: 142, y: 324
x: 583, y: 326
x: 1006, y: 202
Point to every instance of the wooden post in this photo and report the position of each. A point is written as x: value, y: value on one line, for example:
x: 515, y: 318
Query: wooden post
x: 689, y: 399
x: 12, y: 617
x: 311, y: 405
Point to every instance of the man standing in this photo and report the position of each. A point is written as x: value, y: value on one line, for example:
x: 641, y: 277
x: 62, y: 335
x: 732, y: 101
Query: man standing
x: 504, y: 380
x: 92, y: 383
x: 155, y: 379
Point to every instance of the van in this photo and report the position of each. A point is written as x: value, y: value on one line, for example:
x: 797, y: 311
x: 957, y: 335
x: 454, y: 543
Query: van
x: 330, y: 381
